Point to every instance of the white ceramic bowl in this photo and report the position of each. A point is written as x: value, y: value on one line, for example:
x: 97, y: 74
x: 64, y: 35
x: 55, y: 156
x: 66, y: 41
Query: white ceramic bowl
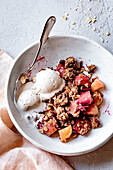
x: 56, y: 48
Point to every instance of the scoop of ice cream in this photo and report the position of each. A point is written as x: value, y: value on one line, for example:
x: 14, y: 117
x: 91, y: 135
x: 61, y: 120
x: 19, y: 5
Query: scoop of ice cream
x: 27, y: 98
x: 26, y: 86
x: 47, y: 81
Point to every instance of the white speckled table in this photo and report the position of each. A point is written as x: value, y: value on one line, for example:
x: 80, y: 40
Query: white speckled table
x: 21, y: 23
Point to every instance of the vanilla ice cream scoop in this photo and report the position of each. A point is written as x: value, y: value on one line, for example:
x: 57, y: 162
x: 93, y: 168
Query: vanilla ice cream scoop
x: 27, y: 98
x: 47, y: 81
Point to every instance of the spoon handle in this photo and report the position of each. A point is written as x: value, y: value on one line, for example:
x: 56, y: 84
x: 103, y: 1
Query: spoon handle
x: 47, y: 28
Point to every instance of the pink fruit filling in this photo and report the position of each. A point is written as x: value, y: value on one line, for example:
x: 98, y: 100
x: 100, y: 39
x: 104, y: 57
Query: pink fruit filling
x: 80, y: 104
x: 61, y: 69
x: 82, y: 80
x: 85, y: 98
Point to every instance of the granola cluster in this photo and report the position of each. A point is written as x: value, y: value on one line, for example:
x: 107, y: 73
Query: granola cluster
x: 74, y: 110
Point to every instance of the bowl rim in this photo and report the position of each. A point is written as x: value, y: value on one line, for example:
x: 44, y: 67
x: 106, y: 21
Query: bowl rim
x: 13, y: 119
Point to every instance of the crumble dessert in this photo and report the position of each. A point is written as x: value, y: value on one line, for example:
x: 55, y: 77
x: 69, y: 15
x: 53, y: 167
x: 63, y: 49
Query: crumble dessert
x: 74, y: 110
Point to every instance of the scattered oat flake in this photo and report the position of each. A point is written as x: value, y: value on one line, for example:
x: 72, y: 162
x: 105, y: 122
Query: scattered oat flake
x: 89, y: 20
x: 107, y: 33
x: 106, y: 41
x: 101, y: 11
x: 67, y: 14
x: 81, y: 5
x: 76, y: 9
x: 102, y: 40
x: 94, y: 29
x: 65, y: 18
x: 93, y: 20
x: 89, y: 9
x: 95, y: 17
x: 73, y: 23
x: 98, y: 31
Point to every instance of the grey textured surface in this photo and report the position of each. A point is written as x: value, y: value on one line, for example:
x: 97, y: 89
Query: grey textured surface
x: 21, y: 23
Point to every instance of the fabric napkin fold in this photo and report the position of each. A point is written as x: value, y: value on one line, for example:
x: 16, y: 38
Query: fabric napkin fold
x: 16, y: 153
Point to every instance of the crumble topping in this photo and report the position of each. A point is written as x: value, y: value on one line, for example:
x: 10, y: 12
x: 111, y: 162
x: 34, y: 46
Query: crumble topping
x: 91, y: 68
x: 61, y: 99
x: 95, y: 123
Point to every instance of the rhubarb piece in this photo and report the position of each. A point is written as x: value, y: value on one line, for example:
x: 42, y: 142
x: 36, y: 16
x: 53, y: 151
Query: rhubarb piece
x: 80, y: 104
x: 73, y: 109
x: 98, y: 99
x: 49, y: 130
x: 82, y: 126
x: 48, y: 127
x: 92, y: 110
x: 61, y: 69
x: 85, y: 98
x: 96, y: 85
x: 95, y: 123
x: 65, y: 133
x: 82, y: 80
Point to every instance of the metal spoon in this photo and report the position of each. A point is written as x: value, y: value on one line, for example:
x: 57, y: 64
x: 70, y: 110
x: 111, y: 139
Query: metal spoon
x: 23, y: 78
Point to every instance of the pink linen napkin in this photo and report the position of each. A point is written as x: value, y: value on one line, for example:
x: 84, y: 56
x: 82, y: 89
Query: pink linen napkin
x: 16, y: 153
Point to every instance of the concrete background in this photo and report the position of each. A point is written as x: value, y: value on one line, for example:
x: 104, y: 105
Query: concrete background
x: 21, y: 23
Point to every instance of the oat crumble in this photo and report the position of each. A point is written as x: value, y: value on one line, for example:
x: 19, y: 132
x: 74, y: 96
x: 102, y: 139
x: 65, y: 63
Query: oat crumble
x: 89, y: 20
x: 75, y: 109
